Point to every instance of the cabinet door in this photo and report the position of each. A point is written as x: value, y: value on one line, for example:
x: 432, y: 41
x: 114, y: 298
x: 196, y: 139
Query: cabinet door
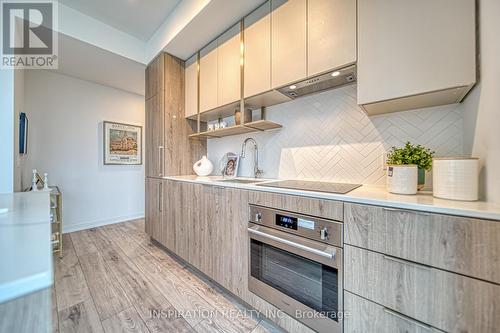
x: 213, y: 208
x: 447, y: 301
x: 231, y: 242
x: 154, y: 207
x: 288, y: 38
x: 408, y: 48
x: 368, y: 317
x: 208, y: 77
x: 331, y: 32
x: 229, y: 66
x: 168, y: 234
x: 258, y: 51
x: 154, y: 77
x: 154, y: 135
x: 191, y: 86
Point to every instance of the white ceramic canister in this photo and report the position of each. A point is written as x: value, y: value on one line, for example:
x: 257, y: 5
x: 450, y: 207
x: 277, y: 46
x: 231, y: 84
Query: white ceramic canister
x: 402, y: 179
x: 456, y: 178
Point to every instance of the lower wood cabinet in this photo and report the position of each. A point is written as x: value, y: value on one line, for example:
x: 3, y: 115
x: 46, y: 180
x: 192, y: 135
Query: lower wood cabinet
x: 206, y: 226
x: 364, y: 316
x: 154, y: 207
x: 463, y: 245
x: 448, y: 301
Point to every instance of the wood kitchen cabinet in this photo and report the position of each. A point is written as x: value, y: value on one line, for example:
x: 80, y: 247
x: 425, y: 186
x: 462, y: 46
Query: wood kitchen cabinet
x: 368, y: 317
x: 155, y: 77
x: 331, y: 35
x: 414, y: 54
x: 448, y: 301
x: 168, y: 148
x: 289, y: 41
x: 257, y: 64
x: 154, y: 207
x: 191, y: 86
x: 155, y: 135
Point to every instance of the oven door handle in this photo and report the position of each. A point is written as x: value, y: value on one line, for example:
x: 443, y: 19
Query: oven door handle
x: 293, y: 244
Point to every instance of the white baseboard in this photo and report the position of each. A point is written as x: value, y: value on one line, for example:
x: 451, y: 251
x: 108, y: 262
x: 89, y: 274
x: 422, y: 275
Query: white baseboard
x: 98, y: 223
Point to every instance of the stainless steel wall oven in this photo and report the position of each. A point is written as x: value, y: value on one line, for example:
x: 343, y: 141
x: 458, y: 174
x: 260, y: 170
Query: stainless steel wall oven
x: 296, y: 265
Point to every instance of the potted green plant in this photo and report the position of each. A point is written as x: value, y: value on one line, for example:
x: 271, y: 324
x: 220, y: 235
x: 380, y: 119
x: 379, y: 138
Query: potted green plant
x: 412, y: 155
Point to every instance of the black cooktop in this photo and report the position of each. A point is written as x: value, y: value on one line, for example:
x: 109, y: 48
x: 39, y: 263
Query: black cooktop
x: 307, y: 185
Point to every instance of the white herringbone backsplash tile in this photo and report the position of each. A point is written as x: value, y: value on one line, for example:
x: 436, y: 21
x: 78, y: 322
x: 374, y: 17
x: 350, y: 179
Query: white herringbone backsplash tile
x: 328, y: 137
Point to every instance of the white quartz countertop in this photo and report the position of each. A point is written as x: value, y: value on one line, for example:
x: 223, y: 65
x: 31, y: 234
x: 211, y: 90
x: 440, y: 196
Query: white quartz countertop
x: 25, y: 244
x: 370, y: 195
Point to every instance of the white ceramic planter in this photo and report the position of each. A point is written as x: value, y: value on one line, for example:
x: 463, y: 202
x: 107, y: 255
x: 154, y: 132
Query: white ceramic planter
x: 402, y: 179
x: 456, y: 178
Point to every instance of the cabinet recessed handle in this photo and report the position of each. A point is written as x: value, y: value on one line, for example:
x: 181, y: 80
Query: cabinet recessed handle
x: 160, y: 160
x: 402, y: 317
x: 405, y: 211
x: 407, y: 263
x: 160, y: 197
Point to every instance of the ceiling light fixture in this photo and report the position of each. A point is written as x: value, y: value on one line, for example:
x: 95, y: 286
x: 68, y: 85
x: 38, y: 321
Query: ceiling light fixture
x: 336, y: 73
x: 293, y: 86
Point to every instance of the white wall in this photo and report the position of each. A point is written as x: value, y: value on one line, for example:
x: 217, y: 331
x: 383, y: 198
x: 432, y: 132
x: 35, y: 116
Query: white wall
x: 65, y: 140
x: 327, y: 136
x: 18, y: 108
x: 6, y: 131
x: 482, y: 106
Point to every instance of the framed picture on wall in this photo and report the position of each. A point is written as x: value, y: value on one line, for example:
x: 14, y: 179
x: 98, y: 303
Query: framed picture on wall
x: 122, y: 144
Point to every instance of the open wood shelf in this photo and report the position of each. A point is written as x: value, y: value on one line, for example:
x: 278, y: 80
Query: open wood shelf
x: 263, y: 125
x: 254, y: 126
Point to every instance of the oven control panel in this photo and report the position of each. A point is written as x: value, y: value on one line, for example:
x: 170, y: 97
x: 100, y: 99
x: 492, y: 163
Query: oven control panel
x: 323, y: 230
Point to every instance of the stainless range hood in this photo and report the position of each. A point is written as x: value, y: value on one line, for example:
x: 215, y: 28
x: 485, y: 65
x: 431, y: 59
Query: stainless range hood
x: 327, y: 81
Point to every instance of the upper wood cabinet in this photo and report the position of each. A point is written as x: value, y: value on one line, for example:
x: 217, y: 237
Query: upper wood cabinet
x: 288, y: 39
x: 331, y: 35
x: 208, y: 77
x: 191, y: 86
x: 168, y: 149
x: 155, y: 76
x: 257, y: 60
x: 414, y: 54
x: 155, y: 131
x: 229, y: 66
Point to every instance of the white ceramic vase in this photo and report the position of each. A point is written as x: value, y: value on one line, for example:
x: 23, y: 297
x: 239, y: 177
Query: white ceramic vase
x: 456, y: 178
x: 402, y: 179
x: 203, y: 167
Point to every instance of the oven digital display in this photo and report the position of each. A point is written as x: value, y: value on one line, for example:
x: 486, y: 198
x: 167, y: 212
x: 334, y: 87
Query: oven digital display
x: 286, y: 221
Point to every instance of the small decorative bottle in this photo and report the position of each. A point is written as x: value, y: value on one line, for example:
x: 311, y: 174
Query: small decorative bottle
x: 46, y: 182
x: 34, y: 186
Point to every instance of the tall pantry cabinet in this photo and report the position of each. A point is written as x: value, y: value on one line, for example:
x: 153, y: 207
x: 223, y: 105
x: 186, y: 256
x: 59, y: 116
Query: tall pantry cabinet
x: 168, y: 150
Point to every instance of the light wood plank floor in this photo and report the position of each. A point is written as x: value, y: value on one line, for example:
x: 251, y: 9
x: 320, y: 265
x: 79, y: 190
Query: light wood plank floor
x: 114, y: 279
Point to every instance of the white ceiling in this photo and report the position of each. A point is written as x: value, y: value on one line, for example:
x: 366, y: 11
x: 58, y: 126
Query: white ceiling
x: 139, y: 18
x: 215, y: 18
x: 91, y: 63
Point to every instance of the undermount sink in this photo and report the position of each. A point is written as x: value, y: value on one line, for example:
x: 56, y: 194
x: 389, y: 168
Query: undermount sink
x: 242, y: 181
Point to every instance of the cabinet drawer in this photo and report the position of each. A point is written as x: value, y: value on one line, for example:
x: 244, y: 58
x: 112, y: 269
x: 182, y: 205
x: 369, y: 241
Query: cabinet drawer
x: 448, y: 301
x: 363, y: 316
x: 463, y: 245
x: 328, y: 209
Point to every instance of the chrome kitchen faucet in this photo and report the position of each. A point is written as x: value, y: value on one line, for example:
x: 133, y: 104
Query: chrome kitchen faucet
x: 257, y: 172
